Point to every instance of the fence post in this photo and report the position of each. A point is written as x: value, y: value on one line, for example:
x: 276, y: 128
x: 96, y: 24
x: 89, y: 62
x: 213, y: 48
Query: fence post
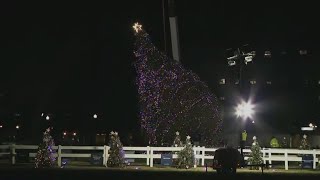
x: 286, y: 165
x: 148, y: 155
x: 270, y: 162
x: 151, y: 157
x: 195, y: 158
x: 264, y: 155
x: 203, y: 154
x: 107, y: 155
x: 314, y: 158
x: 59, y: 155
x: 104, y: 155
x: 13, y: 154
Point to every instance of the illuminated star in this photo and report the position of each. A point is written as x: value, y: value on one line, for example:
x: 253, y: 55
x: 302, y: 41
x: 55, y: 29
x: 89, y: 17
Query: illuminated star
x: 188, y: 137
x: 305, y: 136
x: 137, y: 27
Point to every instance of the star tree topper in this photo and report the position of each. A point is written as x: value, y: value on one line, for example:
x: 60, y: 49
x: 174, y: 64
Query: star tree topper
x: 304, y: 136
x: 137, y: 27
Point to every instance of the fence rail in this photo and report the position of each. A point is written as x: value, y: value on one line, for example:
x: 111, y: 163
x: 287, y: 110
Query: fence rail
x: 150, y: 153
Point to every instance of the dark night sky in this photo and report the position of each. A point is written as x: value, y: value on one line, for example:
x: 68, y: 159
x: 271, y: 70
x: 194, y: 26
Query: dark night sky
x: 77, y: 58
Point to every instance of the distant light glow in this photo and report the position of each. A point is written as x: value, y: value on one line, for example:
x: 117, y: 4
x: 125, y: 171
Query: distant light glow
x: 95, y: 116
x: 17, y: 126
x: 47, y: 117
x: 0, y: 126
x: 64, y: 133
x: 74, y: 134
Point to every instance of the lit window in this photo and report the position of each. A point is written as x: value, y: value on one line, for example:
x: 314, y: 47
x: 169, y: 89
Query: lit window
x: 253, y: 82
x: 267, y: 54
x: 222, y: 81
x: 303, y: 52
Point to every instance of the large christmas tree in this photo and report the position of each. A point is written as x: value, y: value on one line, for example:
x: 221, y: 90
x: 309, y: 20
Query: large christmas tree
x: 172, y: 98
x: 116, y: 153
x: 45, y: 154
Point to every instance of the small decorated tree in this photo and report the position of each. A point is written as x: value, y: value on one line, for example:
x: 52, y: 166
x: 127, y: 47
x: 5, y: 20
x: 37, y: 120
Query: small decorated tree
x: 177, y: 140
x: 256, y: 155
x: 186, y: 156
x: 304, y: 143
x: 116, y: 153
x: 45, y: 154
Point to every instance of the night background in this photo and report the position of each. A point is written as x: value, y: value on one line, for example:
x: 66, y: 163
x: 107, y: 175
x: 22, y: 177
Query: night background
x: 73, y: 60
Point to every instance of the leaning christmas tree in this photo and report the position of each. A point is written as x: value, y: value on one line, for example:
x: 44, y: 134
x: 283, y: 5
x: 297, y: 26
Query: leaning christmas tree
x: 172, y: 98
x: 45, y: 154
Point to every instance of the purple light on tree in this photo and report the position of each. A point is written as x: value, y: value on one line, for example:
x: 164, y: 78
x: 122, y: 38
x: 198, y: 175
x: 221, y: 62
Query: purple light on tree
x: 172, y: 98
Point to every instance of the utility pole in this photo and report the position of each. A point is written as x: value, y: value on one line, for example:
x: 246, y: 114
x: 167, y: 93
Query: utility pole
x: 164, y: 25
x: 173, y: 20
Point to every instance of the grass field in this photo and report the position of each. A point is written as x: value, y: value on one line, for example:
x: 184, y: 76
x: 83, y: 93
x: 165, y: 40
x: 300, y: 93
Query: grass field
x: 143, y: 172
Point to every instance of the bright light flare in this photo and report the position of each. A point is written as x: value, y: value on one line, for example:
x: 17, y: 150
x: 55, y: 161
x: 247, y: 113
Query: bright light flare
x: 245, y: 110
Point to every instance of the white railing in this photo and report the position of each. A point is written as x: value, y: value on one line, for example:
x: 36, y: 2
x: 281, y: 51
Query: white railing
x: 151, y: 153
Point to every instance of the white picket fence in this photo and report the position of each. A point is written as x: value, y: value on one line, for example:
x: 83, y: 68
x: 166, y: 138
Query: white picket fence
x: 151, y: 153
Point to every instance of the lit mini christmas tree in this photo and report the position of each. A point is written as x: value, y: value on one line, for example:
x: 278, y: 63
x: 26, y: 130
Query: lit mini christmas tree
x: 116, y: 153
x: 304, y: 143
x: 172, y: 97
x: 45, y: 154
x: 186, y: 155
x: 177, y: 140
x: 256, y: 154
